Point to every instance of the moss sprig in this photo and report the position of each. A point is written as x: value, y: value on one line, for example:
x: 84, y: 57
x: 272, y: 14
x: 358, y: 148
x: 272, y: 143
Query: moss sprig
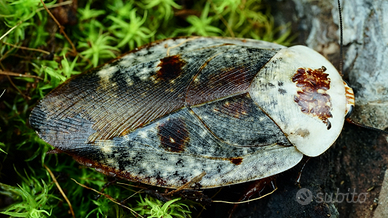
x: 154, y: 208
x: 32, y: 198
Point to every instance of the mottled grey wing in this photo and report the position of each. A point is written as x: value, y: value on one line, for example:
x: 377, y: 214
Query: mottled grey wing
x: 175, y: 149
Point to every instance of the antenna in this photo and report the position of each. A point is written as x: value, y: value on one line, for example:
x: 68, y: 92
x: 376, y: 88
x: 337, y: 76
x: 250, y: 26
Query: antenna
x: 341, y: 40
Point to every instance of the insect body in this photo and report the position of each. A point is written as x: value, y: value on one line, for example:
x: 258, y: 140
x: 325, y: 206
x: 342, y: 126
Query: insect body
x: 236, y: 109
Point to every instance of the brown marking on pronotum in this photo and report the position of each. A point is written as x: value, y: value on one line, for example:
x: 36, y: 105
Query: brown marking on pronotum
x: 173, y: 135
x: 303, y: 132
x: 170, y: 68
x: 236, y: 160
x: 311, y: 96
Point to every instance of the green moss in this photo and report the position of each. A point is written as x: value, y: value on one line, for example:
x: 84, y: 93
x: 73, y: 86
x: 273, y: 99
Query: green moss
x: 33, y: 198
x: 155, y: 208
x: 32, y: 45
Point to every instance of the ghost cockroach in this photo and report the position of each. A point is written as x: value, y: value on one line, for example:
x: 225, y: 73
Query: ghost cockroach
x: 235, y: 109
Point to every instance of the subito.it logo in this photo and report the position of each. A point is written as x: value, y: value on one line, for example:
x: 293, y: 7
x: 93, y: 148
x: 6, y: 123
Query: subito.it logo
x: 304, y: 196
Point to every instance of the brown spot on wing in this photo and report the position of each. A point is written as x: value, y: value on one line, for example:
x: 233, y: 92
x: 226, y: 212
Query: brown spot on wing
x: 173, y: 135
x: 236, y: 160
x: 170, y: 68
x: 312, y: 97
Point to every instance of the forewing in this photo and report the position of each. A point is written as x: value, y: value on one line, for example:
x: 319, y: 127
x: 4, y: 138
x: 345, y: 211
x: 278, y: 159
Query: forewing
x: 117, y: 99
x: 177, y: 148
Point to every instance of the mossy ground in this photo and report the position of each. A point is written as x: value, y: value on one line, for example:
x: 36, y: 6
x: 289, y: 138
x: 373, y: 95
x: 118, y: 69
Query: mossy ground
x: 36, y: 55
